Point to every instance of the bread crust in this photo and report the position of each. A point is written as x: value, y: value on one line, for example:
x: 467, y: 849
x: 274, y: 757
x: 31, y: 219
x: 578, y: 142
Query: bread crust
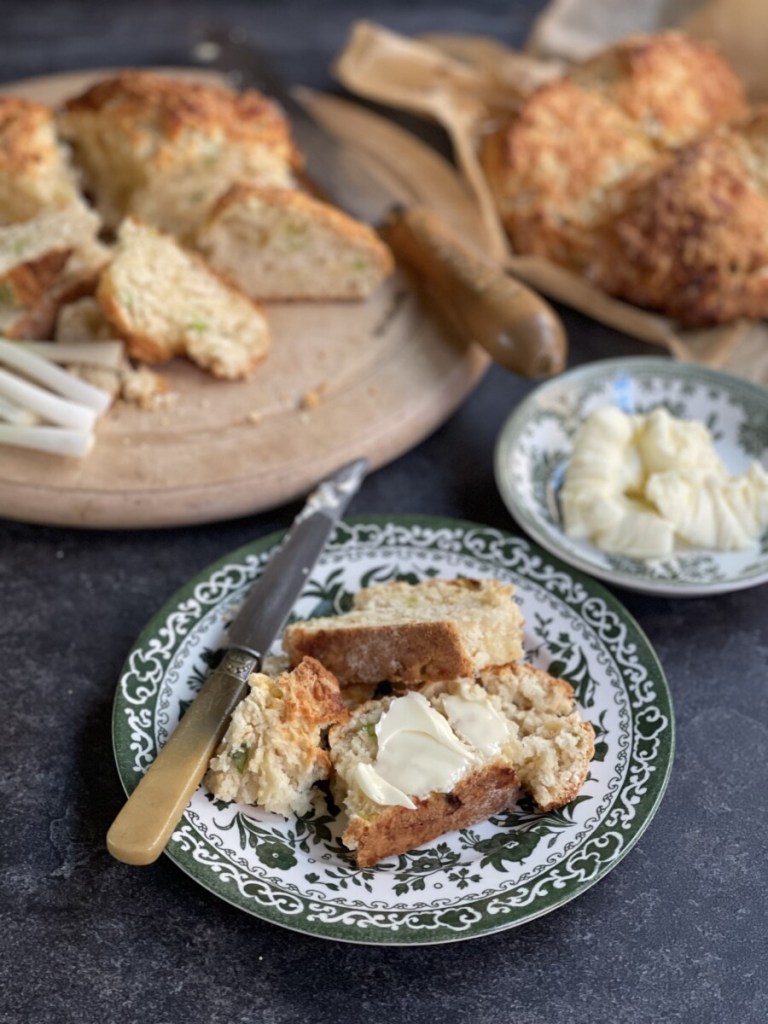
x: 408, y: 633
x: 487, y: 791
x: 408, y: 652
x: 156, y: 111
x: 33, y: 171
x: 693, y: 241
x: 620, y: 171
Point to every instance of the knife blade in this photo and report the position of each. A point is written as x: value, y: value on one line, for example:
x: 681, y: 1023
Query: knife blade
x: 510, y: 321
x: 143, y: 827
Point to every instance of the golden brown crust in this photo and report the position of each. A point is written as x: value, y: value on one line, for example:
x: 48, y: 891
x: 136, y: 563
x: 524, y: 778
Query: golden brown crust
x: 395, y: 830
x: 24, y: 142
x: 148, y: 107
x: 621, y: 172
x: 36, y: 292
x: 313, y: 696
x: 407, y: 652
x: 34, y: 173
x: 673, y: 87
x: 694, y: 240
x: 24, y: 284
x: 560, y: 167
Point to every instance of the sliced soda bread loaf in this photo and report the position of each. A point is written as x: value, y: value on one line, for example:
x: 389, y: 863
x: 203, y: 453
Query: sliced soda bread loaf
x: 414, y: 633
x: 408, y: 769
x: 165, y: 301
x: 164, y: 148
x: 273, y: 751
x: 284, y: 244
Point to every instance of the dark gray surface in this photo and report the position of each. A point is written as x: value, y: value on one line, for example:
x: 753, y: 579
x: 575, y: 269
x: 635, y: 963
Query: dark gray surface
x: 675, y: 933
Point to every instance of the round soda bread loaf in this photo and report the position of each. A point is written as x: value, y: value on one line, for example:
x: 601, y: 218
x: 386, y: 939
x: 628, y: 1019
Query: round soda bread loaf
x: 625, y: 171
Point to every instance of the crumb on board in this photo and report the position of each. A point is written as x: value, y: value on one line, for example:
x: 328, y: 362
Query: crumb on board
x: 312, y: 398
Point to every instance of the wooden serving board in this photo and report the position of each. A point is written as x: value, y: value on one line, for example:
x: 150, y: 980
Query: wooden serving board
x: 385, y: 374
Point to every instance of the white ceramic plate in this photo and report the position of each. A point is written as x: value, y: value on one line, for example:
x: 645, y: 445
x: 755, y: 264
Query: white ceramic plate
x: 536, y: 441
x: 497, y: 874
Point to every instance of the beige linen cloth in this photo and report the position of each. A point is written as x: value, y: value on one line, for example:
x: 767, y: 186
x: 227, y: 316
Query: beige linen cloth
x: 466, y: 83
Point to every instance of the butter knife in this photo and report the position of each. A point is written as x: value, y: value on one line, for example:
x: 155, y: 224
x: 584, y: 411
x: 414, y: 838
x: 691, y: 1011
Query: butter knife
x: 143, y: 827
x: 517, y: 327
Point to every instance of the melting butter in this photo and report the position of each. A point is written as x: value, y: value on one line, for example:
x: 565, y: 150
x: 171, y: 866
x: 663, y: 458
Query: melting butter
x: 418, y: 754
x: 475, y: 719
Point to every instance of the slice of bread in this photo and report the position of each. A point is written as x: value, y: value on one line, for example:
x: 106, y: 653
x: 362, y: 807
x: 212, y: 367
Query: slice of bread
x: 278, y: 244
x: 35, y: 174
x: 165, y: 148
x: 165, y: 301
x: 401, y: 632
x: 44, y: 262
x: 543, y: 747
x: 274, y: 749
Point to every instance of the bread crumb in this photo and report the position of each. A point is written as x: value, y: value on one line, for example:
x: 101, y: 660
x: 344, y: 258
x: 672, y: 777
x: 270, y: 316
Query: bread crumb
x: 311, y: 399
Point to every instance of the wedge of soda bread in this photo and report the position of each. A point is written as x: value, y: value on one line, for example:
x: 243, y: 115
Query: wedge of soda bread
x: 282, y: 244
x: 165, y: 301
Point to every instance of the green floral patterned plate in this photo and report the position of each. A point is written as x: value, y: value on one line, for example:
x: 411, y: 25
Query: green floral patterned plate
x: 500, y: 873
x: 534, y: 445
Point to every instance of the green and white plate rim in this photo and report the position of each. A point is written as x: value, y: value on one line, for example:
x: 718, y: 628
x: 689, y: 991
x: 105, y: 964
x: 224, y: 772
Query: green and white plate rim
x: 496, y: 875
x: 534, y: 444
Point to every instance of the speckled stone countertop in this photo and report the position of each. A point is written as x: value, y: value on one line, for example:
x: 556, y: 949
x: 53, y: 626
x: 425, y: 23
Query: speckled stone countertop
x: 675, y: 933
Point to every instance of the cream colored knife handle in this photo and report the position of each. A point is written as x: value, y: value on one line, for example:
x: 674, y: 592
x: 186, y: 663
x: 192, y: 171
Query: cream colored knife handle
x: 141, y: 830
x: 515, y: 325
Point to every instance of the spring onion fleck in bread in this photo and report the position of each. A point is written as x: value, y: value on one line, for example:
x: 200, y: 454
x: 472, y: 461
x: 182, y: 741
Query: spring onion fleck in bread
x: 165, y: 301
x: 438, y: 629
x: 35, y: 174
x: 164, y: 149
x: 274, y: 751
x: 517, y: 728
x: 284, y: 244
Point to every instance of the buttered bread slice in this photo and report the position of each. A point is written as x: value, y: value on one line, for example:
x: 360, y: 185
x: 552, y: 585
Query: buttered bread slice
x: 278, y: 244
x: 410, y: 768
x: 414, y: 633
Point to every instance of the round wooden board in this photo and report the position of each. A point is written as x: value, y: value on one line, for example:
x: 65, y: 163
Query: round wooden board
x: 342, y: 380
